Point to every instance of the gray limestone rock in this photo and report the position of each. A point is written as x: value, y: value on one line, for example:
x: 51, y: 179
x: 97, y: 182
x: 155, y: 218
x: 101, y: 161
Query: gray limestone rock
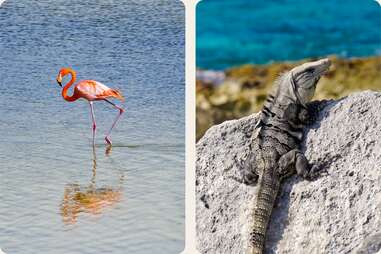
x: 339, y: 212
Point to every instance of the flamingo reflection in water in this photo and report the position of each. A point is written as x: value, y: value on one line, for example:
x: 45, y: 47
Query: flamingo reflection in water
x: 89, y: 199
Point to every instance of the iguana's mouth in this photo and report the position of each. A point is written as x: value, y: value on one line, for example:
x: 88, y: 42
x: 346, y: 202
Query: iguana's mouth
x: 324, y: 68
x: 322, y: 72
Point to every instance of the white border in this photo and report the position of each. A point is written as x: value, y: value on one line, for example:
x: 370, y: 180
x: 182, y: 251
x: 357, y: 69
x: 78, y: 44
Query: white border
x: 190, y: 126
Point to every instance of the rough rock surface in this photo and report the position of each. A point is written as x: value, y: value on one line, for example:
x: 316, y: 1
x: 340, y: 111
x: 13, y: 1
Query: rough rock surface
x: 340, y: 212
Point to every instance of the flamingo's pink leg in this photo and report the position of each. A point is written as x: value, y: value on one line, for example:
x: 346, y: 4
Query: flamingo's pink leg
x: 121, y: 111
x: 93, y: 119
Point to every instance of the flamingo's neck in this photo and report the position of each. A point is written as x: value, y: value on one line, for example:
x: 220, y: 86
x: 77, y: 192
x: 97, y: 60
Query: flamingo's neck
x: 67, y: 86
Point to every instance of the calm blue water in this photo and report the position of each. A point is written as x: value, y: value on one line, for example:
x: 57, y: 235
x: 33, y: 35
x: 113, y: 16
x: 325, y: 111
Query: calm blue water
x: 245, y: 31
x: 56, y: 196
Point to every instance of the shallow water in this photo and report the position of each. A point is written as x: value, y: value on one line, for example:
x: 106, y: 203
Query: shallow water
x: 243, y: 31
x: 57, y: 195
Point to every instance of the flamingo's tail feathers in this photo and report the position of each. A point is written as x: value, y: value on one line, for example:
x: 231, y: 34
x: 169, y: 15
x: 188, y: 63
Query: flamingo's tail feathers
x: 117, y: 94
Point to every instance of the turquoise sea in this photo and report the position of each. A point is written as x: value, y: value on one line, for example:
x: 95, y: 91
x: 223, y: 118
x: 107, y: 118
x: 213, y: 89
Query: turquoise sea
x: 260, y: 31
x: 57, y: 195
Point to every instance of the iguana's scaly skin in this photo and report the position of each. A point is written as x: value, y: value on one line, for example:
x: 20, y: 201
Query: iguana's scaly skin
x: 274, y: 148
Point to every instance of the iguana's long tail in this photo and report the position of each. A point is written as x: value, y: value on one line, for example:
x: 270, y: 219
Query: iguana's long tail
x: 268, y: 186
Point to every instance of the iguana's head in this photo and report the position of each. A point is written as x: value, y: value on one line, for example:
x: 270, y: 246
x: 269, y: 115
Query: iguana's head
x: 305, y: 77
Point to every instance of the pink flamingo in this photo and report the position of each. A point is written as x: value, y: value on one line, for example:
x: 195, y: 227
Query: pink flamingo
x: 90, y: 90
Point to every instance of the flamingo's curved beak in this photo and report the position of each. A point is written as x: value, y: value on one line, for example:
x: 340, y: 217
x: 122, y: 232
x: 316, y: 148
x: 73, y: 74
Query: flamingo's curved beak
x: 59, y: 80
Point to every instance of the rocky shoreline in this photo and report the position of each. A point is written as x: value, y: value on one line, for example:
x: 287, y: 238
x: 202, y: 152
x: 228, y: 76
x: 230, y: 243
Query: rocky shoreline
x: 240, y: 91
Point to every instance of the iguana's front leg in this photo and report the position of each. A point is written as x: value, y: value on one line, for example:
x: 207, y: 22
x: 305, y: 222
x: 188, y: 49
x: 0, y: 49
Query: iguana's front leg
x: 310, y: 114
x: 247, y: 169
x: 305, y: 116
x: 300, y: 115
x: 293, y: 161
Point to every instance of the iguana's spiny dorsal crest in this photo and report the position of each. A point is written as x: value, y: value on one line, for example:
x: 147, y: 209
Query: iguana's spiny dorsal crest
x: 275, y: 150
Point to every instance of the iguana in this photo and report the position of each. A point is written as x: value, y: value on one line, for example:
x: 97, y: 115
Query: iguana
x: 274, y: 150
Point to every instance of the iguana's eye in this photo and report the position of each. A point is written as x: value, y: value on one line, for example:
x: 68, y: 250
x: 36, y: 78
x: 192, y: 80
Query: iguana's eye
x: 309, y: 70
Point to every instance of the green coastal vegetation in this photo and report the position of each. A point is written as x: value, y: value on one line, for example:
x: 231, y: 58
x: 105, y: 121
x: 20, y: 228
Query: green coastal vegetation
x: 244, y: 88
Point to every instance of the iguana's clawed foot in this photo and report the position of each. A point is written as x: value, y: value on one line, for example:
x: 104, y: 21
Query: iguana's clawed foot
x: 308, y: 116
x: 315, y: 172
x: 284, y: 167
x: 304, y: 116
x: 295, y: 160
x: 248, y: 176
x: 314, y: 107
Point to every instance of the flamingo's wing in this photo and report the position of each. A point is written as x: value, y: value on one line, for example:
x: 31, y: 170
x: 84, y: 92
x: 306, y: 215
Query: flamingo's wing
x: 94, y: 90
